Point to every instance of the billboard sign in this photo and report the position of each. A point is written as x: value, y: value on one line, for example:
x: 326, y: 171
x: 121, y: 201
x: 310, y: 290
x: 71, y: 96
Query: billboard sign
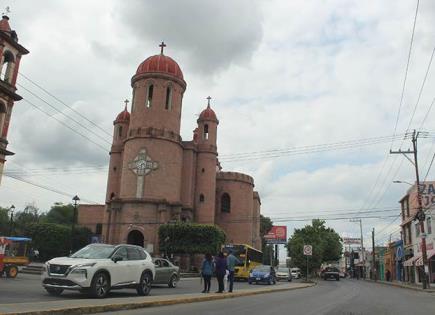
x: 277, y: 235
x: 351, y: 240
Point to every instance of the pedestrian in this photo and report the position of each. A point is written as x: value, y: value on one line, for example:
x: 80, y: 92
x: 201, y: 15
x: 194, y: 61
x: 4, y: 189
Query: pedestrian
x: 207, y: 271
x: 221, y: 268
x: 232, y: 261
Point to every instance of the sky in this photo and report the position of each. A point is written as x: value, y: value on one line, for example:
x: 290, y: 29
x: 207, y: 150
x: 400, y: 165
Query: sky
x: 281, y: 74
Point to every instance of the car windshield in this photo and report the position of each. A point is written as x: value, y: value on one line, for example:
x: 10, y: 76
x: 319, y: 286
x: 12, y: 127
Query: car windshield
x: 282, y: 270
x: 331, y: 269
x: 262, y: 268
x: 94, y: 252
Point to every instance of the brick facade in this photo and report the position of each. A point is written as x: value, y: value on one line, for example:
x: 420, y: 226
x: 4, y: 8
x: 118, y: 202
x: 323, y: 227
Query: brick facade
x: 155, y: 177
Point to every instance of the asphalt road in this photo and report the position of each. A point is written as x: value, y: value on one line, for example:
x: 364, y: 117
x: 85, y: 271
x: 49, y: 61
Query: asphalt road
x: 27, y: 288
x: 350, y: 297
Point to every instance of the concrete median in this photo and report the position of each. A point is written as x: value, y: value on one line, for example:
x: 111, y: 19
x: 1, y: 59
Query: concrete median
x: 86, y: 306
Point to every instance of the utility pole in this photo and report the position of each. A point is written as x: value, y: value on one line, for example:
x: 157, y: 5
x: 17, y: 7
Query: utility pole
x: 374, y: 272
x: 420, y: 216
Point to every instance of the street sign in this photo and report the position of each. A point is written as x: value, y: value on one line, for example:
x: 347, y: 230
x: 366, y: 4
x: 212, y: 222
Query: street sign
x: 276, y: 235
x: 308, y: 250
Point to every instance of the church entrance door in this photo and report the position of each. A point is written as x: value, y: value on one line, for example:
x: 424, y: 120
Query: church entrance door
x: 135, y: 237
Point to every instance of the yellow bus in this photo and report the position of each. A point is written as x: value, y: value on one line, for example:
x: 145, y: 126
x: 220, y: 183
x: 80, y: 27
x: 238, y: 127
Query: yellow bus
x: 248, y: 256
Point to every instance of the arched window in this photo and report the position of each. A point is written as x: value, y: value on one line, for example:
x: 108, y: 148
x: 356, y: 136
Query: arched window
x: 225, y: 203
x: 149, y: 99
x: 119, y: 131
x: 7, y: 66
x: 205, y: 132
x: 168, y: 102
x: 201, y: 198
x: 2, y: 116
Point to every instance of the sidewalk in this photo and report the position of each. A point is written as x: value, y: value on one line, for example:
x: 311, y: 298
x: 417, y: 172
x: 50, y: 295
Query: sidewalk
x: 84, y: 306
x: 417, y: 287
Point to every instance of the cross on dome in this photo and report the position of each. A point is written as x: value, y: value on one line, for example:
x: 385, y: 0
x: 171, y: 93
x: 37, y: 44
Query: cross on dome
x: 208, y: 101
x: 126, y: 103
x: 162, y: 45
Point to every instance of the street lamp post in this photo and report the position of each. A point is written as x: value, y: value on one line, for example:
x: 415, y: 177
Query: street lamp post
x: 11, y: 224
x: 76, y: 199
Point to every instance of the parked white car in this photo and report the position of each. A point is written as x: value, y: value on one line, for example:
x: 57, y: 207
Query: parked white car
x: 99, y: 268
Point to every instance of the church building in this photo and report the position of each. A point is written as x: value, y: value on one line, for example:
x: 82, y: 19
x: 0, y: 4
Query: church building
x: 155, y: 177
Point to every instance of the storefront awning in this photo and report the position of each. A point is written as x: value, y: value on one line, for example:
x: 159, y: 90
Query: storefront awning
x: 430, y: 254
x: 409, y: 262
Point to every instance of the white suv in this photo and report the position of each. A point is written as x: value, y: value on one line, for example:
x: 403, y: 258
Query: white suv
x: 99, y: 268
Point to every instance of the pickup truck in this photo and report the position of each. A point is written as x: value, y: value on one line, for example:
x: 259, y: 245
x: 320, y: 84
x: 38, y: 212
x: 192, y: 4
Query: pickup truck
x: 331, y: 273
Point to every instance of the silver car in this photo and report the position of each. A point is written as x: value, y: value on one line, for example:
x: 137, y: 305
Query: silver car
x: 166, y: 272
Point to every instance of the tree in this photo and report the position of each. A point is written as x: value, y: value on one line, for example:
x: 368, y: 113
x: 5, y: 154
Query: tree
x: 24, y: 218
x: 53, y: 240
x: 190, y: 238
x: 60, y: 214
x: 4, y: 222
x: 265, y: 226
x: 325, y: 241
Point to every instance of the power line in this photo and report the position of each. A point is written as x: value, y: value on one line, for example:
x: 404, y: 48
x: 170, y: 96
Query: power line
x: 57, y: 191
x: 406, y: 70
x: 65, y: 125
x: 63, y: 114
x: 63, y: 103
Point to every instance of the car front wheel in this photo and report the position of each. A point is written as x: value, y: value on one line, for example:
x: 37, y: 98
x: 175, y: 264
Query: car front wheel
x: 144, y: 287
x: 100, y: 285
x: 173, y: 282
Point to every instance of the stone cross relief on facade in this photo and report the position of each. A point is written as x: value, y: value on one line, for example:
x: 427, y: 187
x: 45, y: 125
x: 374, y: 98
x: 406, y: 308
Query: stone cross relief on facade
x: 142, y: 165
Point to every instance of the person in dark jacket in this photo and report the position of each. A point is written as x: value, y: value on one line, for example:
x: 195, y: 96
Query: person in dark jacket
x: 207, y: 271
x: 221, y: 269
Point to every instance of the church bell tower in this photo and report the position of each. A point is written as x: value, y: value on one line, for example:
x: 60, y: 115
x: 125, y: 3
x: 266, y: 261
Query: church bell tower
x: 10, y: 52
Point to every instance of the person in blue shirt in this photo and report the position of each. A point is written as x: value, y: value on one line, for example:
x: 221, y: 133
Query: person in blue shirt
x: 207, y: 272
x: 232, y: 261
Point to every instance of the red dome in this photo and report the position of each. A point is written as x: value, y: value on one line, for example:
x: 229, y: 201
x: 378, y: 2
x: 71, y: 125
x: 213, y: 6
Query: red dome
x: 4, y: 24
x: 208, y: 114
x: 160, y: 63
x: 123, y: 116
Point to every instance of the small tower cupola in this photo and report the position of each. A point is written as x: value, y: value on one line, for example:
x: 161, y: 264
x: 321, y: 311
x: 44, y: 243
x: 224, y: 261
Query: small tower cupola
x: 121, y: 125
x: 207, y: 124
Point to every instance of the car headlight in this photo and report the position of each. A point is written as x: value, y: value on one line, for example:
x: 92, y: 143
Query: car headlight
x: 266, y: 275
x: 84, y: 265
x: 80, y: 272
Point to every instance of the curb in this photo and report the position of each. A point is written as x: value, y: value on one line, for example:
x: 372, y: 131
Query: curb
x: 145, y: 304
x: 398, y: 285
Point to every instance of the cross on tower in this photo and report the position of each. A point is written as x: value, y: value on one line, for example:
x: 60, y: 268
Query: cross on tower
x: 162, y: 45
x: 208, y: 101
x: 126, y: 103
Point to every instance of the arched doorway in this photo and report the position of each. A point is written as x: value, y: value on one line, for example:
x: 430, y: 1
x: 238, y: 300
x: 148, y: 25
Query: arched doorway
x: 135, y: 237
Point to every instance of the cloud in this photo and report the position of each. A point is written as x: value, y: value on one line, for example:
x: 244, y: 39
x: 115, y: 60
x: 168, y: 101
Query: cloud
x: 211, y: 35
